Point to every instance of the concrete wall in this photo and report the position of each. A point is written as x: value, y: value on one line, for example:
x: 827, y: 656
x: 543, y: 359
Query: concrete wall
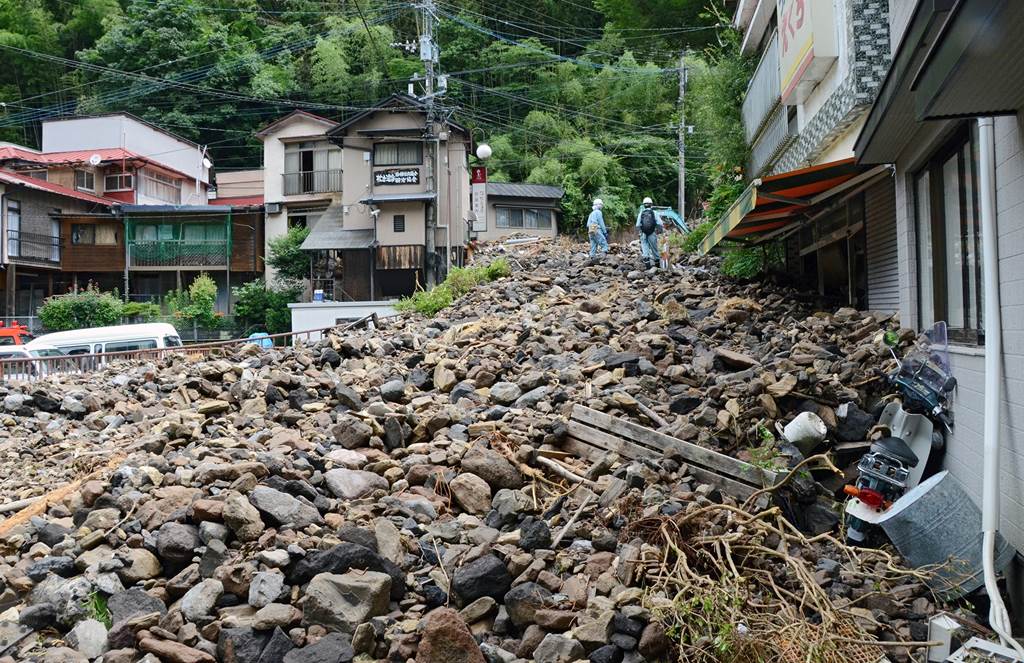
x: 234, y: 183
x: 321, y: 315
x: 493, y: 232
x: 88, y: 133
x: 964, y: 453
x: 415, y: 224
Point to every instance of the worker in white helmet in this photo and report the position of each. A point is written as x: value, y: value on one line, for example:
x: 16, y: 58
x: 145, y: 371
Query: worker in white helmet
x: 649, y: 225
x: 597, y: 230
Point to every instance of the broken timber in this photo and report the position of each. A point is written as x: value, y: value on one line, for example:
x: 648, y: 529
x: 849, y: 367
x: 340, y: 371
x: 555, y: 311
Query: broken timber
x: 593, y: 433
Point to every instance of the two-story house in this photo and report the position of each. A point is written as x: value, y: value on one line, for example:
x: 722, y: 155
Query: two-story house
x: 155, y: 230
x: 32, y: 254
x: 364, y: 189
x: 819, y: 67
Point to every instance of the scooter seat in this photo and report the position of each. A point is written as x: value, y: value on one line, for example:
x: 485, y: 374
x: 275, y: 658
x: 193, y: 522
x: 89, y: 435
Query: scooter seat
x: 897, y: 448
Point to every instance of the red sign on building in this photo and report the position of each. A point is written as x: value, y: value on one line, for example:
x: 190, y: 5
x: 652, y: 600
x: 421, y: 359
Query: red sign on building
x: 479, y: 175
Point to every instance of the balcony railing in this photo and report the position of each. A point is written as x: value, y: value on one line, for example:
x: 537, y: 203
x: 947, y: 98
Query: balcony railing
x: 312, y: 181
x: 776, y: 136
x: 763, y: 92
x: 178, y: 253
x: 33, y: 247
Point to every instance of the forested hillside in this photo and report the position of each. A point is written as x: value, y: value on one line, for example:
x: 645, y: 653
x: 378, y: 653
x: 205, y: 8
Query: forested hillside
x: 577, y: 93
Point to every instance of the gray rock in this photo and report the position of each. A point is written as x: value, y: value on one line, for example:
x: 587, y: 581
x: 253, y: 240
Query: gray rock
x: 332, y: 648
x: 393, y: 391
x: 199, y: 601
x: 89, y: 638
x: 265, y: 587
x: 276, y: 648
x: 524, y: 600
x: 284, y: 509
x: 492, y: 467
x: 348, y: 397
x: 505, y: 393
x: 558, y: 649
x: 353, y: 484
x: 210, y: 531
x: 531, y: 398
x: 176, y: 544
x: 242, y: 517
x: 352, y: 433
x: 342, y: 602
x: 484, y: 576
x: 471, y: 493
x: 132, y: 603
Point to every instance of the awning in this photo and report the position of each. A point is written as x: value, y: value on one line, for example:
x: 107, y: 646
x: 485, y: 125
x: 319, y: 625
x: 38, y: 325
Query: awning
x: 398, y: 197
x: 329, y: 235
x: 974, y: 68
x: 772, y: 203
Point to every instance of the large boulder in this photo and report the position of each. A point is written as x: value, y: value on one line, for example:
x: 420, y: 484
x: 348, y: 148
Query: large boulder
x: 484, y: 576
x: 492, y: 467
x: 446, y: 639
x: 283, y: 508
x: 343, y: 602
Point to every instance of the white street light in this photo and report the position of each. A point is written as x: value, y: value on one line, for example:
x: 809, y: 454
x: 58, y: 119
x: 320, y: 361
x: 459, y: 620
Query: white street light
x: 484, y: 152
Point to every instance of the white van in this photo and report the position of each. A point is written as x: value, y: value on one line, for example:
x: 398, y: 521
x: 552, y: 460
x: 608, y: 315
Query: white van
x: 23, y: 365
x: 122, y: 338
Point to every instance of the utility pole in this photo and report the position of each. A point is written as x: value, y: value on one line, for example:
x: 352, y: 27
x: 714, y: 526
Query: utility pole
x: 681, y: 139
x: 429, y: 57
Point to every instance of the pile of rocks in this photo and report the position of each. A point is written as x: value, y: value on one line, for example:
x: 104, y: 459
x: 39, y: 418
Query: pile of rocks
x: 376, y: 495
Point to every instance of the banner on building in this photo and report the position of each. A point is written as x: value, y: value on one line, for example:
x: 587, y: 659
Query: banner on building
x: 807, y: 46
x: 479, y: 192
x: 397, y: 176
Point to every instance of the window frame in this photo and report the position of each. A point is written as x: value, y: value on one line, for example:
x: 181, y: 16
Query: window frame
x: 89, y: 175
x: 398, y: 154
x: 121, y: 176
x: 538, y: 212
x: 13, y: 211
x: 398, y: 223
x: 963, y: 139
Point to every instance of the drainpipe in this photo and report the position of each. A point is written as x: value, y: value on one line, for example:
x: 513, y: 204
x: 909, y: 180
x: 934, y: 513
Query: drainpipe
x: 998, y: 617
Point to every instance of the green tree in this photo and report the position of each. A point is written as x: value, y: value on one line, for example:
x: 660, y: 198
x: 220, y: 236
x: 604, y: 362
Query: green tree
x: 86, y: 308
x: 260, y: 306
x: 286, y: 255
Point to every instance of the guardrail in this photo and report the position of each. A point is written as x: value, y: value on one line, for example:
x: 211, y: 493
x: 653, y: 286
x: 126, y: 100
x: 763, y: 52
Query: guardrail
x: 39, y: 368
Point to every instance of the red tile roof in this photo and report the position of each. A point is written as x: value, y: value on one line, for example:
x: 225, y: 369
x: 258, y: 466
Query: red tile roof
x: 18, y: 179
x: 237, y: 201
x: 107, y: 154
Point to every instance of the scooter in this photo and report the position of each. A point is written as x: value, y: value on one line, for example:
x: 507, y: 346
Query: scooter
x: 898, y: 462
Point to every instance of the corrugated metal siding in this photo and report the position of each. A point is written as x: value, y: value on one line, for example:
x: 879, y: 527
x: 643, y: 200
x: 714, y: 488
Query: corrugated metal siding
x: 883, y: 259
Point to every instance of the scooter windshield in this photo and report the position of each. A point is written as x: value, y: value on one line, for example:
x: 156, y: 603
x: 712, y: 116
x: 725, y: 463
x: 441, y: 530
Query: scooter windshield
x: 928, y: 361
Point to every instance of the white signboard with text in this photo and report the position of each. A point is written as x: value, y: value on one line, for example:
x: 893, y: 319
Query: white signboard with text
x: 807, y: 46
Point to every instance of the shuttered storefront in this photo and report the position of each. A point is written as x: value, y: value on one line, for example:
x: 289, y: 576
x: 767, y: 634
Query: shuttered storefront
x: 882, y: 259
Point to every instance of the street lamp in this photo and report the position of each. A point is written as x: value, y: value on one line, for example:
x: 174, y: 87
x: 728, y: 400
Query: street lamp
x: 484, y: 152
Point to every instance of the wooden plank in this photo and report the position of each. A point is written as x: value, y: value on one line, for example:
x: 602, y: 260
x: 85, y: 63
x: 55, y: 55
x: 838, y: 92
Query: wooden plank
x: 730, y: 486
x: 603, y: 440
x: 706, y: 457
x: 582, y: 449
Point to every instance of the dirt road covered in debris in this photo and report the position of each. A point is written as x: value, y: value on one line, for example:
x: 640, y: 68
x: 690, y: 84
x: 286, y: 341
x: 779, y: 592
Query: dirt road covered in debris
x: 528, y: 476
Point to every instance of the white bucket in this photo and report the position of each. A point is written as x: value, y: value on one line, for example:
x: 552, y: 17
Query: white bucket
x: 805, y: 432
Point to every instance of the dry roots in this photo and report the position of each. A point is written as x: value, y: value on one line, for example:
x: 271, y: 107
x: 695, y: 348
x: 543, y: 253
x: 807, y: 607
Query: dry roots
x: 735, y: 586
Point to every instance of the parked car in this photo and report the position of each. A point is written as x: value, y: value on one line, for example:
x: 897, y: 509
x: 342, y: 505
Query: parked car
x: 14, y: 334
x: 121, y: 338
x: 17, y: 361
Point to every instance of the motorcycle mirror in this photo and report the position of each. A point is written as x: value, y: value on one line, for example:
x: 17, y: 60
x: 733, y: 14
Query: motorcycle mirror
x: 891, y: 338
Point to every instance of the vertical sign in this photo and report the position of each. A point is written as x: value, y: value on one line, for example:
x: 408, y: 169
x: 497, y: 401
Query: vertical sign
x: 807, y: 46
x: 479, y: 179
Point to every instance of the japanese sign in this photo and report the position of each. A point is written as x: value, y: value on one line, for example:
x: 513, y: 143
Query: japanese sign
x: 478, y: 176
x: 397, y: 176
x: 807, y: 46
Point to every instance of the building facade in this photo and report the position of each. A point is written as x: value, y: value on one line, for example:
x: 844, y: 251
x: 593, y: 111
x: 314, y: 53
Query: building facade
x: 950, y: 68
x: 516, y: 209
x: 819, y: 67
x: 365, y: 190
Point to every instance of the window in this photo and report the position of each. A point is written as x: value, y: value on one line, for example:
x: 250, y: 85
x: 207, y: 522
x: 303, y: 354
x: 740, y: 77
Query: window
x: 304, y: 217
x: 520, y: 217
x: 160, y: 187
x: 37, y: 174
x: 172, y: 342
x: 13, y: 228
x: 398, y: 154
x: 98, y: 233
x: 204, y: 232
x: 129, y: 346
x: 399, y: 223
x: 311, y: 167
x: 119, y: 182
x: 77, y: 350
x: 949, y: 239
x: 85, y: 180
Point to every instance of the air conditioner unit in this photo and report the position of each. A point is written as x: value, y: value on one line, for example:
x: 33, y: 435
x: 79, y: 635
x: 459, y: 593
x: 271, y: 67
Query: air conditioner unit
x: 273, y: 208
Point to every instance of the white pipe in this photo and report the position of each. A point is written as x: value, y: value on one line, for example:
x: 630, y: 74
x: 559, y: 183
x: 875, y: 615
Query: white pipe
x: 998, y: 617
